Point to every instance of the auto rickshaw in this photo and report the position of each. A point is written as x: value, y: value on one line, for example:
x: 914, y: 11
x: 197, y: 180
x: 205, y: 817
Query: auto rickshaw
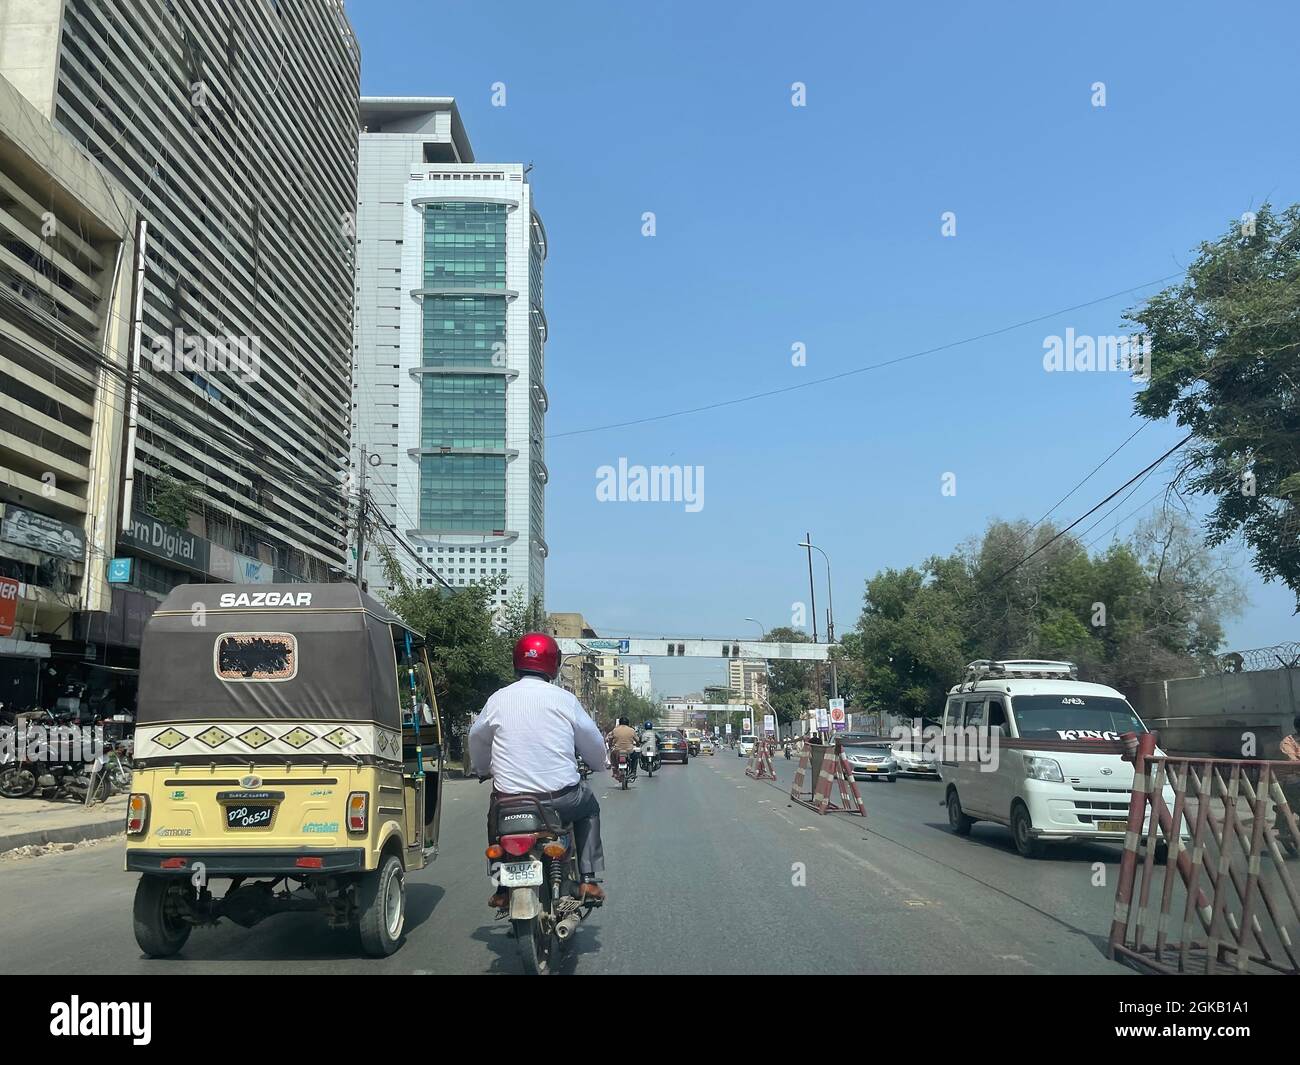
x: 287, y: 748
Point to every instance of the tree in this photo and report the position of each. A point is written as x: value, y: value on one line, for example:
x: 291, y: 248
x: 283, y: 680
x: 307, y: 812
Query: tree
x: 1150, y: 608
x: 171, y: 500
x: 519, y: 617
x: 469, y: 655
x: 614, y: 703
x: 1225, y: 347
x: 789, y: 684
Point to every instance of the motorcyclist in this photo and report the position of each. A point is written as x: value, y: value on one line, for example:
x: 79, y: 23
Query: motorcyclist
x: 622, y: 740
x: 526, y: 738
x: 649, y: 742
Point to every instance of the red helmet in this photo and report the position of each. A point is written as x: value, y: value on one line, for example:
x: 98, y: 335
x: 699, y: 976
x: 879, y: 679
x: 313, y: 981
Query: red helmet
x: 537, y: 653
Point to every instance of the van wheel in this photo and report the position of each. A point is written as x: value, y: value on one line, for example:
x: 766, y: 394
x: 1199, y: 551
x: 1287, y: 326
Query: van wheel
x: 159, y: 930
x: 381, y: 899
x: 1021, y: 829
x: 958, y: 821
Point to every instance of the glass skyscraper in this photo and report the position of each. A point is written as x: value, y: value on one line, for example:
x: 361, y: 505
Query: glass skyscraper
x: 449, y: 348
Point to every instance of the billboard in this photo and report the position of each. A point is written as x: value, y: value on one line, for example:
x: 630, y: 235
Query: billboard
x: 42, y: 533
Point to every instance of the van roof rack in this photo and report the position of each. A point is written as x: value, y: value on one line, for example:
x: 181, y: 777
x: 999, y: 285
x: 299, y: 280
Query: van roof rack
x: 1018, y: 669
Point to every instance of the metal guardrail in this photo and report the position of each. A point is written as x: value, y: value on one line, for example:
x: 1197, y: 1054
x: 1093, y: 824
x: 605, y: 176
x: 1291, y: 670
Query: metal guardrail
x: 1227, y: 901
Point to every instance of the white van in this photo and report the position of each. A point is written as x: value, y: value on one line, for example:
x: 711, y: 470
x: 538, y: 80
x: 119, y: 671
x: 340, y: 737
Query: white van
x: 1046, y: 765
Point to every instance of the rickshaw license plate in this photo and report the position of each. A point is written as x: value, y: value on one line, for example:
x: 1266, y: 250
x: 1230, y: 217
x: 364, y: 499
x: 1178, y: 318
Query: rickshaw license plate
x: 248, y: 816
x: 521, y: 874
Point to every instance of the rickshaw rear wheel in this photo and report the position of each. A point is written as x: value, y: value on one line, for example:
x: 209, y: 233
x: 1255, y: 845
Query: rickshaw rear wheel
x: 159, y: 931
x: 381, y: 902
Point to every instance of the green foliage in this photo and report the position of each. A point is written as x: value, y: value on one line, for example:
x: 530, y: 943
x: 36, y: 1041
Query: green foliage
x: 1142, y: 610
x: 170, y: 500
x: 789, y: 684
x: 469, y: 655
x: 1226, y: 364
x: 623, y: 702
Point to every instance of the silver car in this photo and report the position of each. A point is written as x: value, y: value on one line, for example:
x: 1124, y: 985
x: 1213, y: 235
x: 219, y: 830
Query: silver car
x: 870, y: 761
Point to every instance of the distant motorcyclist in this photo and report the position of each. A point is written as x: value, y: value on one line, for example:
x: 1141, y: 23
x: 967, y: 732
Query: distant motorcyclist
x: 622, y: 740
x: 649, y: 741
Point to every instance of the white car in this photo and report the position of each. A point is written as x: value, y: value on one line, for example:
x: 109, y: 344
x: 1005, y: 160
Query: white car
x: 914, y: 760
x: 745, y: 747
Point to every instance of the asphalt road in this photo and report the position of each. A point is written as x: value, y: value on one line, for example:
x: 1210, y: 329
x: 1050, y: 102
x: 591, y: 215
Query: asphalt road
x: 709, y: 872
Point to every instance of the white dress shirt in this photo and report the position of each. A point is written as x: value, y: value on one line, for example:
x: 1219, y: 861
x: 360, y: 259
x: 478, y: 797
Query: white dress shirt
x: 527, y: 736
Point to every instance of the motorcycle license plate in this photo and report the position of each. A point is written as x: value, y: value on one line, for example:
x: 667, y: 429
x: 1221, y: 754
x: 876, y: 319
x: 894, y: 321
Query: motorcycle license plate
x: 520, y: 874
x: 248, y: 816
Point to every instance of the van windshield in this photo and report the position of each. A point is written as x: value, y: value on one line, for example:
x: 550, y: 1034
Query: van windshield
x: 1074, y: 717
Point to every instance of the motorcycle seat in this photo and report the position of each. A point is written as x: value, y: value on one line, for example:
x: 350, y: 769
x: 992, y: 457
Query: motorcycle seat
x: 524, y: 813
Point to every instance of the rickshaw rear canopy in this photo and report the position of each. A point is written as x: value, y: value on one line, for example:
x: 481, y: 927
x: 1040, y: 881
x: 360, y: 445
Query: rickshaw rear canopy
x: 342, y: 666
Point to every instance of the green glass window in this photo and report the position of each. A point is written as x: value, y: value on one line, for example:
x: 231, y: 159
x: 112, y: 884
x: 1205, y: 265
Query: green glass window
x: 465, y: 245
x: 463, y: 330
x: 462, y: 411
x: 463, y: 493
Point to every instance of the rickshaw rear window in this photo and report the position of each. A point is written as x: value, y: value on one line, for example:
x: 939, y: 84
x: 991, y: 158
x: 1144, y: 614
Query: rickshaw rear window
x: 256, y: 656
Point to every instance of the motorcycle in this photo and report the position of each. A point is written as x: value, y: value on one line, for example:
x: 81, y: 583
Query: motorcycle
x: 650, y: 763
x: 624, y: 769
x: 534, y: 858
x: 787, y: 752
x: 584, y: 770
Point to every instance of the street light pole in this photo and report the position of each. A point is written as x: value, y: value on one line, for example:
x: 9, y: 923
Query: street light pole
x: 830, y: 612
x: 812, y: 593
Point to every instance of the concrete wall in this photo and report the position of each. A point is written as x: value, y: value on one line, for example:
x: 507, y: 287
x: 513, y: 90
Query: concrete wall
x: 1219, y: 714
x: 29, y: 48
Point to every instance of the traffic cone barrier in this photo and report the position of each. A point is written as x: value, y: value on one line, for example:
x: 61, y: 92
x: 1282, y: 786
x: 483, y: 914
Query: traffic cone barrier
x: 760, y: 762
x: 834, y: 770
x: 800, y: 774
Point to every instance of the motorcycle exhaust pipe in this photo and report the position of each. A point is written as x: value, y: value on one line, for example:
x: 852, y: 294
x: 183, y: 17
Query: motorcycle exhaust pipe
x: 565, y: 928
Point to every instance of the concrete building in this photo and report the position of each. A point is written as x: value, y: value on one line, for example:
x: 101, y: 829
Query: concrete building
x: 448, y: 349
x: 232, y: 127
x: 747, y: 680
x: 610, y: 673
x: 66, y: 249
x: 577, y: 672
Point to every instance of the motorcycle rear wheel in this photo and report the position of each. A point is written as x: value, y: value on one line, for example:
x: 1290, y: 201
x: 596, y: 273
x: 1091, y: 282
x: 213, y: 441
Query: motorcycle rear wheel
x: 537, y: 949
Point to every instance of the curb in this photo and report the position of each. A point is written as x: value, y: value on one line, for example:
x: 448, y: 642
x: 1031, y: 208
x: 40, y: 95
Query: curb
x: 67, y: 834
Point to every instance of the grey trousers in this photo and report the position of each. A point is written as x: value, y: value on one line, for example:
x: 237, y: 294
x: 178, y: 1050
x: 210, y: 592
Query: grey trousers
x: 581, y: 809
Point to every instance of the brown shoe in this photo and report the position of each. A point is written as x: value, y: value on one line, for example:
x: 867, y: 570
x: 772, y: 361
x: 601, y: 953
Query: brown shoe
x: 589, y: 892
x: 499, y: 901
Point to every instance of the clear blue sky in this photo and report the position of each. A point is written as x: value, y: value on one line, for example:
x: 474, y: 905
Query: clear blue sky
x: 821, y: 225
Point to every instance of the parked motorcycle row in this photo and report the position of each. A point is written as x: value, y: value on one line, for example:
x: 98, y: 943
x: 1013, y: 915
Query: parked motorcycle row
x: 57, y: 779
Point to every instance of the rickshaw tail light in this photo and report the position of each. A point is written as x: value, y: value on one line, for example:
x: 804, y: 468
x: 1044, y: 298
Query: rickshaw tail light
x: 494, y: 851
x: 358, y: 808
x: 554, y: 850
x: 520, y: 844
x: 137, y: 813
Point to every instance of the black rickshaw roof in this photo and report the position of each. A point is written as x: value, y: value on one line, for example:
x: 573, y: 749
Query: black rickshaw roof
x: 342, y: 666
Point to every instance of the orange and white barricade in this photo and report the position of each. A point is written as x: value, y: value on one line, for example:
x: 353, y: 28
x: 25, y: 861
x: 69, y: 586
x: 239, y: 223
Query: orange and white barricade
x: 832, y: 769
x: 760, y: 762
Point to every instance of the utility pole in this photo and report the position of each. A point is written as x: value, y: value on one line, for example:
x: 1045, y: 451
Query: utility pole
x: 812, y: 592
x: 361, y: 517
